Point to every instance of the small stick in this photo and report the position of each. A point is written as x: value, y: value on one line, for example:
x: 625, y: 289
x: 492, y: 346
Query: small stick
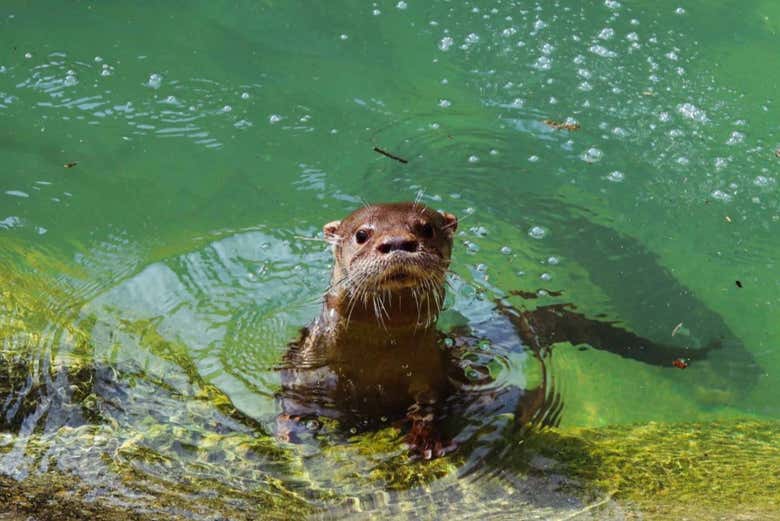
x: 391, y: 156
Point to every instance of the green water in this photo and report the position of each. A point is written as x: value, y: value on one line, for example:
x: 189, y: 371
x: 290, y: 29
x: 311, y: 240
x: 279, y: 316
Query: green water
x: 210, y: 139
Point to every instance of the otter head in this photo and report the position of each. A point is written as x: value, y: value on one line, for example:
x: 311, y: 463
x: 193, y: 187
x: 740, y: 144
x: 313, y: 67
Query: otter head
x: 390, y: 262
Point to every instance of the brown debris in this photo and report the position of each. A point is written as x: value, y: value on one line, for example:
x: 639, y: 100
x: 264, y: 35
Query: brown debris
x: 557, y: 125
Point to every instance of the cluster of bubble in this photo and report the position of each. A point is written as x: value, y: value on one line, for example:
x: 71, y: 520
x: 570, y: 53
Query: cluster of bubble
x: 628, y: 61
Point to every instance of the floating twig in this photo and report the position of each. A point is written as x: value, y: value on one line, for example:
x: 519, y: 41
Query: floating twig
x: 391, y: 156
x: 70, y: 164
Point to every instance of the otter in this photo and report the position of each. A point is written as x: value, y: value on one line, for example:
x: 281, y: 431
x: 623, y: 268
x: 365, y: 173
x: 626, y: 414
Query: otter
x: 374, y: 353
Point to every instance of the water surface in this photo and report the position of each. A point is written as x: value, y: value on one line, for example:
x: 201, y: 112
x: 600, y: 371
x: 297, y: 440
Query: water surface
x: 163, y: 167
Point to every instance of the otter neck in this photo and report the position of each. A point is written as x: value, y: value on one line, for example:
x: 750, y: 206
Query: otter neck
x: 391, y: 314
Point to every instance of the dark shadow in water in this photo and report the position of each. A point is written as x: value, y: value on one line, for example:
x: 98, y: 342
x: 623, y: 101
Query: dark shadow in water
x: 648, y: 301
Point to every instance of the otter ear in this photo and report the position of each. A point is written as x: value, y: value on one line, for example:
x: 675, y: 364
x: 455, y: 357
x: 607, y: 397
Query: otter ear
x: 330, y: 230
x: 450, y: 223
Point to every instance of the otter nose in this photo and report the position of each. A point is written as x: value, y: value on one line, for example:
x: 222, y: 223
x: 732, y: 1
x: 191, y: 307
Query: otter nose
x: 389, y: 244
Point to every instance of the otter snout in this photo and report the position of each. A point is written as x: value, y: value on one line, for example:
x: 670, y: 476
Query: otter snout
x: 391, y: 244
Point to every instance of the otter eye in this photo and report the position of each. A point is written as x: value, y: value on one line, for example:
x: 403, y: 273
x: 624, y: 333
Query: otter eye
x: 426, y: 230
x: 361, y: 236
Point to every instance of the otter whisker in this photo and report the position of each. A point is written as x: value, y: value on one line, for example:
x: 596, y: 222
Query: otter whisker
x: 304, y: 238
x: 378, y: 312
x: 417, y: 199
x: 356, y: 295
x: 417, y: 304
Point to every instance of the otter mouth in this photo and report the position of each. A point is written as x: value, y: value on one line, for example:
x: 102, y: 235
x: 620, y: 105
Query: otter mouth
x: 398, y: 278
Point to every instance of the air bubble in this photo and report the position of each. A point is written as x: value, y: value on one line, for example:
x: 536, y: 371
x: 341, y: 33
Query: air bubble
x: 602, y: 51
x: 721, y: 196
x: 401, y: 5
x: 533, y: 159
x: 506, y: 250
x: 444, y: 103
x: 735, y: 137
x: 155, y: 80
x: 545, y: 276
x: 473, y: 159
x: 616, y: 176
x: 606, y: 33
x: 542, y: 63
x: 445, y: 43
x: 344, y: 36
x: 592, y: 155
x: 274, y: 118
x: 553, y: 260
x: 244, y: 95
x: 691, y: 111
x: 537, y: 232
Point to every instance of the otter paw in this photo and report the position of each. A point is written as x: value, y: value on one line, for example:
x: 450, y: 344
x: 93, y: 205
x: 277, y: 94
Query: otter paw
x: 289, y: 428
x: 425, y: 442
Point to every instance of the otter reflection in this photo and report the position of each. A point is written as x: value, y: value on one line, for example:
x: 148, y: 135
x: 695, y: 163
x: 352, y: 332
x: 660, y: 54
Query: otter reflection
x: 374, y: 355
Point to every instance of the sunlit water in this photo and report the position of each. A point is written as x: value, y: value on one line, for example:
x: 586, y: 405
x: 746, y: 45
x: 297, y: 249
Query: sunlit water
x: 163, y: 169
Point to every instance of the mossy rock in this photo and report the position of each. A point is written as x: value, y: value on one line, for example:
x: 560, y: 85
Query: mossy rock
x: 713, y: 470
